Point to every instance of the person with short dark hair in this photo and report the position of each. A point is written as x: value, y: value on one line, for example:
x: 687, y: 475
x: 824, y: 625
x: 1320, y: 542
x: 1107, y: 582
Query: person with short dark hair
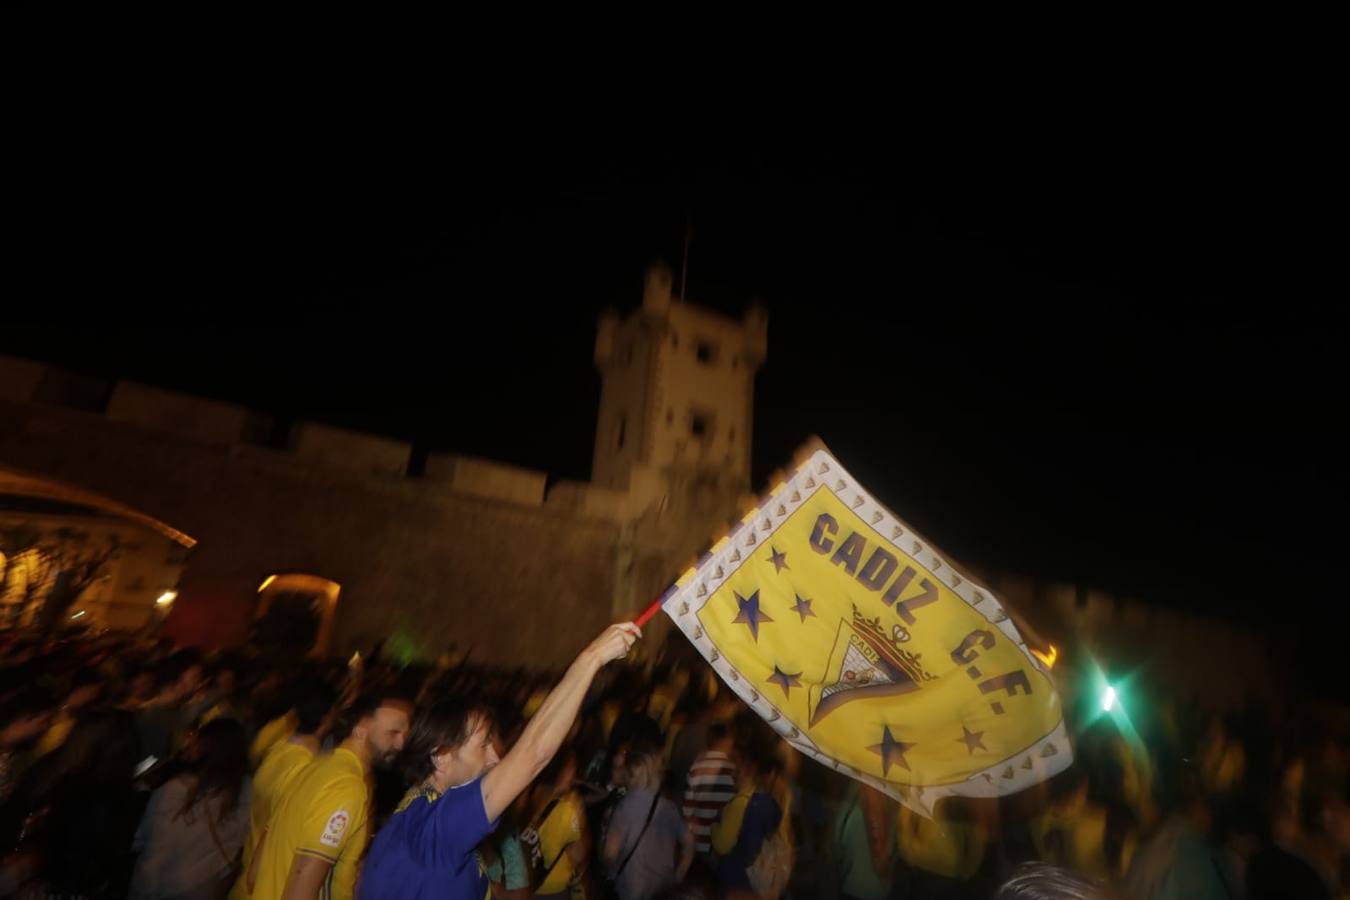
x: 318, y: 830
x: 427, y: 849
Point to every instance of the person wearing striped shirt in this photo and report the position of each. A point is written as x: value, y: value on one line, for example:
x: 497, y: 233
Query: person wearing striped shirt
x: 712, y: 783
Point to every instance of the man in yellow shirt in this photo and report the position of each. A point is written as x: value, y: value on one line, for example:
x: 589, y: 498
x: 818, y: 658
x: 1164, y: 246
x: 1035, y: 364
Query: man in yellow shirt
x: 282, y: 763
x: 318, y: 830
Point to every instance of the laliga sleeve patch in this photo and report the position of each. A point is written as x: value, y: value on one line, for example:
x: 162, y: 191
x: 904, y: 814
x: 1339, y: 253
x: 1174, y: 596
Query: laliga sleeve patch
x: 333, y: 831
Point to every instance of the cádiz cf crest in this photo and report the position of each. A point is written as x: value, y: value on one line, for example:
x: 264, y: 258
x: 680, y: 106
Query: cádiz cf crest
x: 870, y: 664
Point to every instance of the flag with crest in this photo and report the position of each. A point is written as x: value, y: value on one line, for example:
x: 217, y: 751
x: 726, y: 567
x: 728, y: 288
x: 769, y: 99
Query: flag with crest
x: 860, y: 644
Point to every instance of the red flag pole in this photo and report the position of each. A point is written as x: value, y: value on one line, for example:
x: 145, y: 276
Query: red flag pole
x: 646, y: 614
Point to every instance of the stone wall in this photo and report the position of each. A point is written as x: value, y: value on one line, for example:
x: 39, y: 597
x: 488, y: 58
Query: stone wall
x: 190, y: 417
x: 418, y: 562
x: 484, y: 478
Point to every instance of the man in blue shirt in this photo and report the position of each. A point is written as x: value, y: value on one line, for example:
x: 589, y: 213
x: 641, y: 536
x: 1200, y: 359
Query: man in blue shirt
x: 458, y: 788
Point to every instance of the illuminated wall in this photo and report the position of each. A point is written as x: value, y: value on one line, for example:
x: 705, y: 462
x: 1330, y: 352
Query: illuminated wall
x: 146, y: 565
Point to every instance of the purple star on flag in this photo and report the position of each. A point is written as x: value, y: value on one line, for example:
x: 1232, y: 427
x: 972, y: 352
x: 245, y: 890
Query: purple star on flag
x: 750, y: 615
x: 971, y: 739
x: 778, y: 559
x: 802, y: 607
x: 785, y: 681
x: 891, y: 751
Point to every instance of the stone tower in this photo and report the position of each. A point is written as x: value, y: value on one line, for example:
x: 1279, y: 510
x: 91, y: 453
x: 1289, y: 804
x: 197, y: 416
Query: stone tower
x: 677, y: 390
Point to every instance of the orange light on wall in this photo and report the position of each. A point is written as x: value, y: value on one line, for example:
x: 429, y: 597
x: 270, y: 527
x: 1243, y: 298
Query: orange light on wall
x: 1047, y: 658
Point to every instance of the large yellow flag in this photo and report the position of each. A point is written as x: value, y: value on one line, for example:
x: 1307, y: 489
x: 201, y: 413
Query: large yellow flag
x: 861, y: 646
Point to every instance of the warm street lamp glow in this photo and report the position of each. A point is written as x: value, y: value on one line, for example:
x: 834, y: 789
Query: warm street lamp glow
x: 166, y: 598
x: 78, y: 614
x: 1047, y: 658
x: 266, y: 581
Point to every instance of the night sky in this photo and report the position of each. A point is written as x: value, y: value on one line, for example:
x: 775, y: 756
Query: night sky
x: 1034, y: 363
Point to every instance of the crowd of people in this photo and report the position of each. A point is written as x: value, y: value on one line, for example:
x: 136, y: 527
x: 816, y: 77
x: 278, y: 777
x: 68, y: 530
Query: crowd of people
x: 129, y: 768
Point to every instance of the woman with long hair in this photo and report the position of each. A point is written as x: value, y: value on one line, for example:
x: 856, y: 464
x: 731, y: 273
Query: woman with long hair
x: 195, y: 825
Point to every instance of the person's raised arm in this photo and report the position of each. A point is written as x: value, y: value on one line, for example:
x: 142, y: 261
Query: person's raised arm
x: 546, y: 730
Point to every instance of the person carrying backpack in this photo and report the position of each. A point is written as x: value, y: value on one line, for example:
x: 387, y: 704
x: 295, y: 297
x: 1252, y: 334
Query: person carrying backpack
x: 646, y: 832
x: 557, y: 840
x: 752, y: 855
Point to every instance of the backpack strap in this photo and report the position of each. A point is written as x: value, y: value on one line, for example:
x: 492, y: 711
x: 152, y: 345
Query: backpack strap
x: 541, y: 820
x: 656, y: 798
x: 557, y: 859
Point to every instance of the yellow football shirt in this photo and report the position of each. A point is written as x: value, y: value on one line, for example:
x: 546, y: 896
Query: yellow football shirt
x: 561, y: 829
x: 279, y: 768
x: 324, y: 814
x: 940, y: 845
x: 726, y: 831
x: 1080, y: 829
x: 271, y: 734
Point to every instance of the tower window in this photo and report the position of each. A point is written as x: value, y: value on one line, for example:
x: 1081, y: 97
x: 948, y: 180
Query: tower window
x: 700, y: 425
x: 705, y: 352
x: 621, y: 432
